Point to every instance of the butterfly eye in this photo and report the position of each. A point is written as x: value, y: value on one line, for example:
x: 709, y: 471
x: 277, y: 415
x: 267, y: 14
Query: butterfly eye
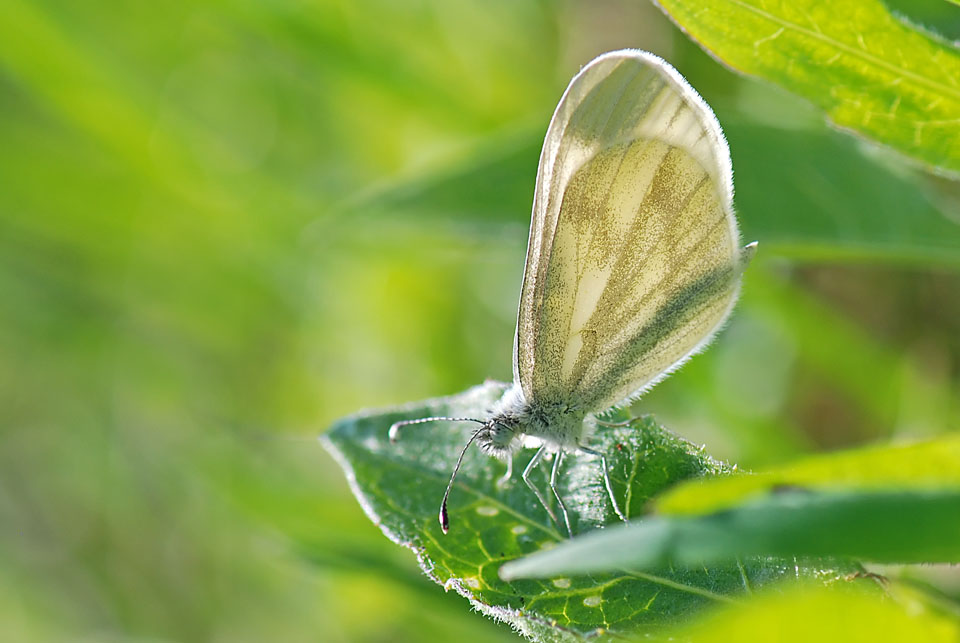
x: 498, y: 439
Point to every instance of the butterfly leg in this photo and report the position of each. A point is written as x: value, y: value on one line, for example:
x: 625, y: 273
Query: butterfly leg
x: 534, y: 461
x: 505, y: 479
x: 606, y: 481
x: 553, y: 487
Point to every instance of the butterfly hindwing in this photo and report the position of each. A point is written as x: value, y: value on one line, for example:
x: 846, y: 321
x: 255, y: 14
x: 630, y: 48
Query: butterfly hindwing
x: 634, y: 258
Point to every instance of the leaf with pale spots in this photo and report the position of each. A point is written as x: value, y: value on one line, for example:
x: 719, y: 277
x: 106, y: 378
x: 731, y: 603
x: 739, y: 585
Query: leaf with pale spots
x: 400, y: 486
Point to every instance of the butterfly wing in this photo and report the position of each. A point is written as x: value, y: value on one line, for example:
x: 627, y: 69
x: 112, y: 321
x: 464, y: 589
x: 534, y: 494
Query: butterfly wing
x: 634, y: 259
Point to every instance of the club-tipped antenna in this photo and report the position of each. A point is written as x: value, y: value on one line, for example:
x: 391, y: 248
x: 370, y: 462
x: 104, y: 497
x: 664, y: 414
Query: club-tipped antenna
x: 394, y: 432
x: 444, y: 517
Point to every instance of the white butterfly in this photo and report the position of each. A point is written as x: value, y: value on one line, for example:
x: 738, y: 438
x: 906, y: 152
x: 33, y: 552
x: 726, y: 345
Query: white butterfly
x: 633, y: 263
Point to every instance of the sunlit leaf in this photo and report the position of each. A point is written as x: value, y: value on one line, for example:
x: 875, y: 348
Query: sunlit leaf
x: 869, y: 72
x: 934, y: 464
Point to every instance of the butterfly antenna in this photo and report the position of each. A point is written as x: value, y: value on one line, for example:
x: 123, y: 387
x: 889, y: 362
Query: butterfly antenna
x: 394, y: 432
x: 444, y: 517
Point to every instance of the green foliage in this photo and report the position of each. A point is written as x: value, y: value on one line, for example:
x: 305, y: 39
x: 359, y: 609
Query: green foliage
x: 891, y: 527
x: 198, y: 273
x: 898, y: 504
x: 400, y: 486
x: 812, y: 613
x: 868, y: 71
x: 822, y: 200
x: 929, y: 465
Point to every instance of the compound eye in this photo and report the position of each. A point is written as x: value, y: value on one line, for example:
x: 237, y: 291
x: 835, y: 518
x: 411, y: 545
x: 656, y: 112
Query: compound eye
x: 504, y: 436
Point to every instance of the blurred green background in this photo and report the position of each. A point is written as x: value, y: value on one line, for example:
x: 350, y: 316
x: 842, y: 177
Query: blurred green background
x: 223, y: 225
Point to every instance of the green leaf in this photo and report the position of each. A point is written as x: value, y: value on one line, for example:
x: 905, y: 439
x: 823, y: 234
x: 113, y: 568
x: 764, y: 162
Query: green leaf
x: 400, y: 487
x: 868, y: 71
x: 822, y: 200
x: 826, y: 615
x: 933, y: 464
x: 894, y: 527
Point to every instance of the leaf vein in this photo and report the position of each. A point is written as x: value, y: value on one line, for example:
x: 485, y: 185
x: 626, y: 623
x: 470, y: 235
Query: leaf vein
x: 863, y: 54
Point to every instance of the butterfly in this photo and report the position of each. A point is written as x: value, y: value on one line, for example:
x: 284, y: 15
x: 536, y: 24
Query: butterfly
x: 633, y: 263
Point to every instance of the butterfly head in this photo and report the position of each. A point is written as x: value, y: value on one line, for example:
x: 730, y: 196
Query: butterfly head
x: 498, y: 438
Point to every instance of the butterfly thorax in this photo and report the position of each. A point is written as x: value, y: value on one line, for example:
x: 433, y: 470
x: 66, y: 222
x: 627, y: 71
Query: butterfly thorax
x: 559, y: 425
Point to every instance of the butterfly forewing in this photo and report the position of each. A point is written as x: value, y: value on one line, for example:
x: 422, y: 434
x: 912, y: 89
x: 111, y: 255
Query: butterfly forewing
x: 634, y: 259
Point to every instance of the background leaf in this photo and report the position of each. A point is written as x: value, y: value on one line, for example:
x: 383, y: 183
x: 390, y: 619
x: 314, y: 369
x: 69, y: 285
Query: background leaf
x: 821, y: 200
x: 867, y: 70
x: 400, y: 487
